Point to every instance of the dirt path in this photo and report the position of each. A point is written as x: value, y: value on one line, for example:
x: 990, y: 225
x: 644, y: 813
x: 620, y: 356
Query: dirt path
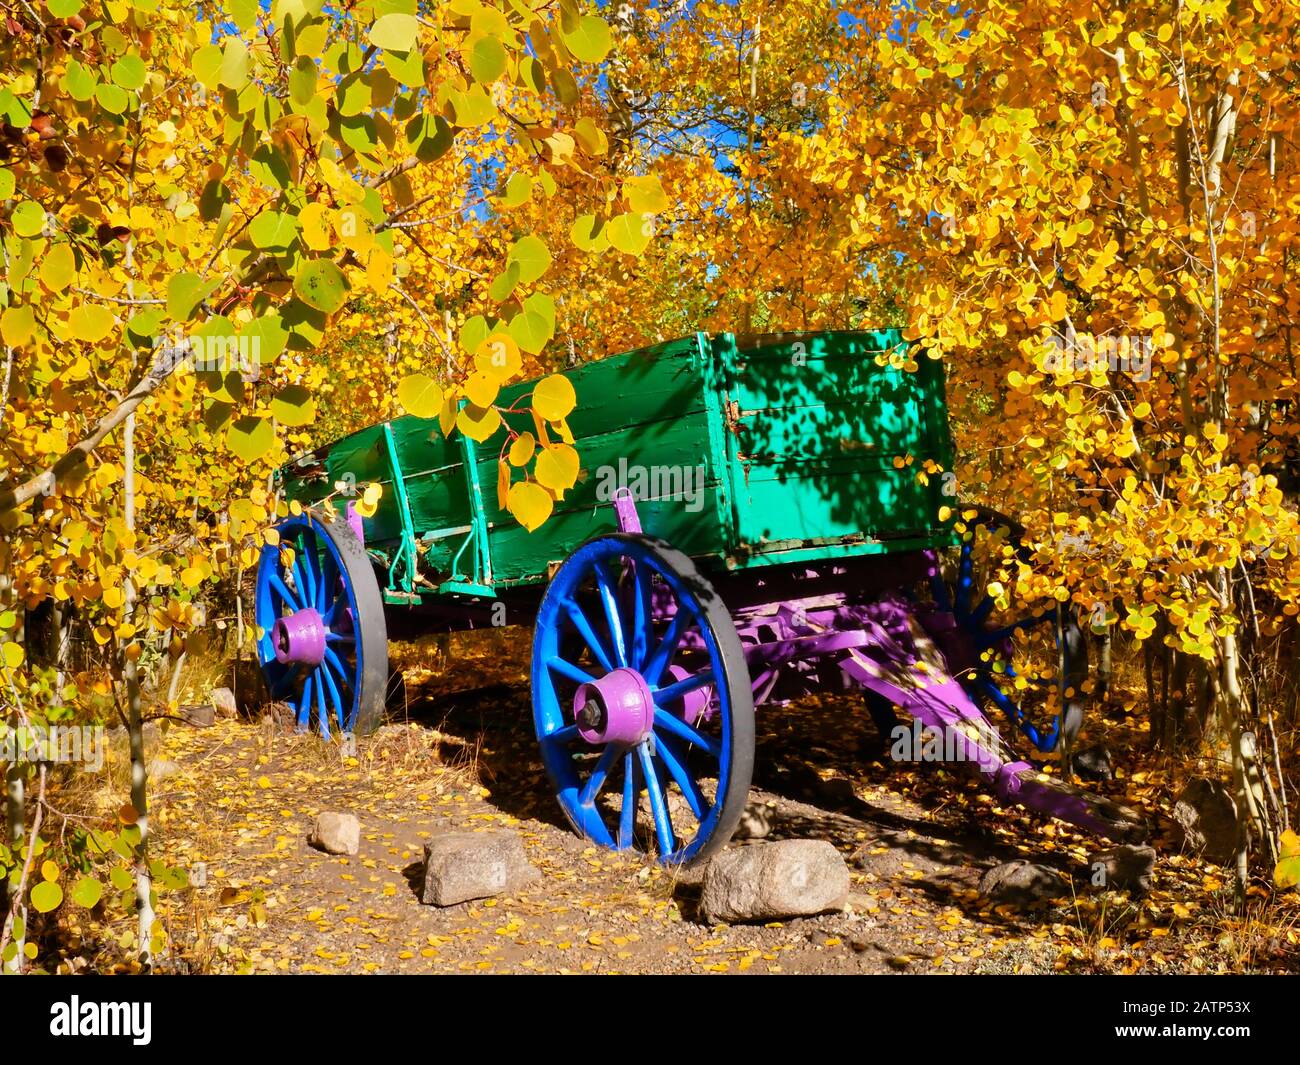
x: 238, y: 810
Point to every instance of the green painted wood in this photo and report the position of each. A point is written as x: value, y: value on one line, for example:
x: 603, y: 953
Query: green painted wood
x: 789, y: 441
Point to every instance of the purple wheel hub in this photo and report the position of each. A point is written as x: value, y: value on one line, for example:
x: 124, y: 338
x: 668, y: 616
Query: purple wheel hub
x: 299, y: 638
x: 695, y: 705
x: 617, y: 708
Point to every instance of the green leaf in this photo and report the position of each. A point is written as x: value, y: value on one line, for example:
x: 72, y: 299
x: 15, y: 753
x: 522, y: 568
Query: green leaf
x: 420, y: 395
x: 531, y: 255
x: 111, y: 98
x: 397, y: 33
x: 531, y: 331
x: 486, y: 57
x: 129, y: 72
x: 473, y: 107
x: 6, y: 184
x: 244, y: 13
x: 87, y: 892
x: 321, y: 285
x: 504, y: 283
x: 206, y: 65
x: 234, y: 64
x: 120, y: 878
x: 184, y: 292
x: 519, y: 189
x: 590, y: 41
x: 429, y: 136
x: 294, y: 406
x: 46, y: 896
x: 64, y: 8
x: 266, y: 338
x: 629, y: 233
x: 273, y: 229
x: 28, y: 219
x: 302, y: 81
x: 250, y: 437
x: 80, y: 81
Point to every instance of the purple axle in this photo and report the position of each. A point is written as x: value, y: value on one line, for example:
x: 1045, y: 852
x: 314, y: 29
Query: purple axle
x: 616, y: 708
x: 299, y: 638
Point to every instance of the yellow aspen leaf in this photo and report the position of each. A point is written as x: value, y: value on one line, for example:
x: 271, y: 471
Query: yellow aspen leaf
x: 420, y: 395
x: 530, y: 504
x: 481, y: 390
x: 58, y: 267
x: 1287, y: 873
x: 521, y: 451
x: 13, y: 655
x: 645, y: 195
x: 477, y: 423
x: 447, y: 416
x: 498, y: 358
x: 503, y: 485
x: 90, y: 323
x: 17, y: 325
x: 311, y: 227
x: 554, y: 397
x: 557, y: 468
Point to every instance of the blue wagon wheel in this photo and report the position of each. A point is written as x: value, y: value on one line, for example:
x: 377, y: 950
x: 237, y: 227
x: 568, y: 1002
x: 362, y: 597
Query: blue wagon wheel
x: 322, y: 643
x: 1029, y: 661
x: 642, y: 700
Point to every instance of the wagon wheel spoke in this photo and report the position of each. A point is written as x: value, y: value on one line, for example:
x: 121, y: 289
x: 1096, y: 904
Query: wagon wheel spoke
x: 627, y: 815
x: 597, y: 779
x: 675, y: 762
x: 613, y: 617
x: 663, y: 653
x: 579, y: 620
x: 675, y: 691
x: 658, y: 802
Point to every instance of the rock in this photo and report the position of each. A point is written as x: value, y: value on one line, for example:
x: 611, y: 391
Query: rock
x: 336, y: 833
x: 755, y: 822
x: 200, y: 716
x: 1122, y: 868
x: 1206, y: 816
x: 788, y: 878
x: 1093, y: 763
x: 459, y: 866
x: 161, y: 769
x: 1022, y: 882
x: 837, y: 792
x: 281, y: 715
x: 223, y: 702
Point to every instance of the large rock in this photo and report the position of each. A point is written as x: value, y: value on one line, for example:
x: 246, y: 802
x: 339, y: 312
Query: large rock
x: 767, y: 881
x: 1125, y: 868
x: 1206, y: 816
x: 336, y: 833
x: 755, y: 822
x: 200, y: 715
x: 223, y: 702
x: 1021, y: 882
x: 459, y: 866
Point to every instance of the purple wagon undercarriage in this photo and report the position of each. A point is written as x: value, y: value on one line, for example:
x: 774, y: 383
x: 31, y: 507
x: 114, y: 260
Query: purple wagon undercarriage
x: 798, y: 634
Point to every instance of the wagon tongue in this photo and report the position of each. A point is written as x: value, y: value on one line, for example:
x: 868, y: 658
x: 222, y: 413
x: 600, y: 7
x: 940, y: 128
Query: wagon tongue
x: 1021, y: 783
x: 938, y: 702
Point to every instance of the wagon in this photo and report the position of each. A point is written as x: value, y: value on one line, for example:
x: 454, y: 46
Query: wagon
x: 756, y: 518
